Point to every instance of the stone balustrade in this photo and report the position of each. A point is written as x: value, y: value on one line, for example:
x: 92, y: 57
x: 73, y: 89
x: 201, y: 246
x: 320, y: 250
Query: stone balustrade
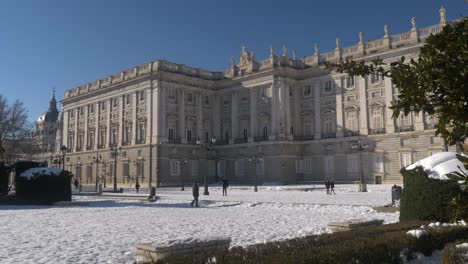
x: 357, y: 50
x: 158, y: 250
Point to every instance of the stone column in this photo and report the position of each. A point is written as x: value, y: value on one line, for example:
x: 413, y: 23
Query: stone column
x: 298, y: 130
x: 182, y: 134
x: 160, y: 111
x: 134, y: 118
x: 108, y: 131
x: 97, y: 109
x: 199, y: 107
x: 317, y: 110
x: 361, y: 85
x: 217, y: 116
x: 287, y: 112
x: 65, y: 128
x: 253, y: 114
x: 121, y: 120
x: 274, y: 110
x: 339, y: 107
x: 75, y: 142
x: 389, y: 123
x: 85, y: 139
x: 234, y: 118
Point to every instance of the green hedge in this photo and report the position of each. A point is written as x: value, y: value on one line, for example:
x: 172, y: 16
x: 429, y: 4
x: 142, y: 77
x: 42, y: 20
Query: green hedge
x: 380, y: 244
x: 452, y: 255
x: 424, y: 198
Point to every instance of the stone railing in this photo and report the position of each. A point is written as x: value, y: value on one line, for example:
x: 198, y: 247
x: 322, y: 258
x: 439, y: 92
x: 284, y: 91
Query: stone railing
x: 142, y: 70
x: 425, y: 32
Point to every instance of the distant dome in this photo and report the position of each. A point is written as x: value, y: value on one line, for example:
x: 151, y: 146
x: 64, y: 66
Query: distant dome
x: 52, y: 113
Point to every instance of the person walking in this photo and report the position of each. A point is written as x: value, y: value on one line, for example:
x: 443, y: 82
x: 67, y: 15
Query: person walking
x: 76, y: 184
x: 137, y: 186
x: 225, y: 186
x: 332, y: 186
x: 327, y: 186
x: 195, y: 193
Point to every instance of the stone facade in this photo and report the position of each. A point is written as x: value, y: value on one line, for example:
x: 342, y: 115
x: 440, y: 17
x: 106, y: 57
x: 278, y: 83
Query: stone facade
x: 299, y: 118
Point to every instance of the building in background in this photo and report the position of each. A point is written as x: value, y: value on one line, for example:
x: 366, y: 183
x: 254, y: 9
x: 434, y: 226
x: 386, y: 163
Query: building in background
x: 301, y: 119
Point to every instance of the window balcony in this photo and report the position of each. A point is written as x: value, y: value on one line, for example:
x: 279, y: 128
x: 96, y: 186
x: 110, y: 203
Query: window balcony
x: 405, y: 128
x: 89, y: 147
x: 174, y: 141
x: 126, y: 143
x: 140, y: 141
x: 328, y: 135
x: 259, y: 139
x: 240, y: 140
x: 351, y: 134
x: 303, y: 138
x: 100, y: 146
x: 376, y: 131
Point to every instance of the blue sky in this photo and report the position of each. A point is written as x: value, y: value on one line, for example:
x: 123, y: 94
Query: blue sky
x: 64, y: 44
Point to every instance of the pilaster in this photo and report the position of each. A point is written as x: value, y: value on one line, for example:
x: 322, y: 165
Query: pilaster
x: 217, y: 116
x: 160, y: 111
x: 85, y: 139
x: 199, y: 107
x: 121, y: 120
x: 287, y: 109
x: 65, y: 128
x: 234, y: 118
x: 108, y: 129
x: 389, y: 123
x: 134, y: 118
x: 362, y: 85
x: 182, y: 116
x: 75, y: 139
x: 317, y: 111
x: 97, y: 110
x: 274, y: 110
x: 339, y: 107
x: 253, y: 114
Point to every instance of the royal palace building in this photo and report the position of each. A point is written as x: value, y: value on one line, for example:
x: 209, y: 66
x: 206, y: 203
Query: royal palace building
x: 280, y: 120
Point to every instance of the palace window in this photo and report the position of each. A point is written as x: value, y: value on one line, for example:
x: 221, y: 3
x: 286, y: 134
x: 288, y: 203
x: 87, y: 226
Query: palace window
x: 245, y: 134
x: 175, y: 168
x: 377, y: 118
x: 141, y: 135
x: 349, y: 81
x: 265, y: 132
x: 114, y: 136
x: 115, y: 101
x: 405, y: 159
x: 102, y: 137
x: 91, y: 139
x: 375, y: 77
x: 171, y: 133
x: 141, y: 95
x: 240, y: 167
x: 352, y: 163
x: 125, y: 169
x: 140, y: 169
x: 189, y: 135
x: 171, y: 94
x: 91, y: 108
x: 103, y: 105
x: 307, y: 90
x: 328, y: 86
x: 351, y: 121
x: 378, y: 163
x: 207, y: 100
x: 128, y: 134
x: 189, y: 97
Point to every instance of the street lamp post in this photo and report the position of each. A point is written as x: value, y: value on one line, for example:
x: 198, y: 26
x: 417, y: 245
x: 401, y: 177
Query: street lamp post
x: 182, y: 163
x: 97, y: 160
x: 115, y: 152
x: 63, y: 149
x: 361, y: 147
x: 206, y: 146
x: 254, y: 160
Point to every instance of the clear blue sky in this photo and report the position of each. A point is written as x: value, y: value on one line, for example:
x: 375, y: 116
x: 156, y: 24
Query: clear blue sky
x: 64, y: 44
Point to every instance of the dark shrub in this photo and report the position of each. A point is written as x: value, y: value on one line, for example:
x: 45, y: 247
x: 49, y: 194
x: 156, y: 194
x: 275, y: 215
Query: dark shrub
x: 4, y: 174
x: 424, y: 198
x: 452, y: 255
x: 44, y: 189
x: 379, y: 244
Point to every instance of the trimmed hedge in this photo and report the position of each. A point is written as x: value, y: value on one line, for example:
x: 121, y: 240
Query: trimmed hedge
x: 452, y: 255
x: 379, y: 244
x: 424, y: 198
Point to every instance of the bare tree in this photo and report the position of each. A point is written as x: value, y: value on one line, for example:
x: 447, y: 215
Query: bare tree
x: 14, y: 127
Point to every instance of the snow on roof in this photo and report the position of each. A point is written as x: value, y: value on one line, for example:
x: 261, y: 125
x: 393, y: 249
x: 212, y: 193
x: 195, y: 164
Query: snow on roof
x: 439, y: 165
x: 34, y: 172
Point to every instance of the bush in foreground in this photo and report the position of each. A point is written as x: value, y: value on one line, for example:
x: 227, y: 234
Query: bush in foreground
x: 380, y: 244
x: 453, y: 255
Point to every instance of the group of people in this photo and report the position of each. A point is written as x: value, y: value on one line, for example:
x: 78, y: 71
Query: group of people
x: 196, y: 192
x: 330, y: 186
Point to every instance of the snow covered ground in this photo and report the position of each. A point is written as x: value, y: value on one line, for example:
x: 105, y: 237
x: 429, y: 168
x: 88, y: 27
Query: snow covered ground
x: 107, y: 230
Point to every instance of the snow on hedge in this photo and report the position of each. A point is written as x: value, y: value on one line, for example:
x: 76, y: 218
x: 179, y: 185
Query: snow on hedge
x: 417, y: 233
x: 439, y: 165
x: 40, y: 171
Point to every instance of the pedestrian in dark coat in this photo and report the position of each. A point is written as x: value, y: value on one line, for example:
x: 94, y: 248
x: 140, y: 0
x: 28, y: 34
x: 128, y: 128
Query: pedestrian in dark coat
x: 327, y: 186
x: 195, y: 193
x: 332, y: 186
x: 76, y: 183
x: 137, y: 186
x: 225, y: 186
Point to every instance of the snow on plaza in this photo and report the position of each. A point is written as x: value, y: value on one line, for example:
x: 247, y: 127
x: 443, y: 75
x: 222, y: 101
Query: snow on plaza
x: 107, y: 230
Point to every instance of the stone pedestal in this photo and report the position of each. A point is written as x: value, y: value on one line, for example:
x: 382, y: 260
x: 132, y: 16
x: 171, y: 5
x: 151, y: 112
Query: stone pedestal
x: 155, y: 251
x: 353, y: 224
